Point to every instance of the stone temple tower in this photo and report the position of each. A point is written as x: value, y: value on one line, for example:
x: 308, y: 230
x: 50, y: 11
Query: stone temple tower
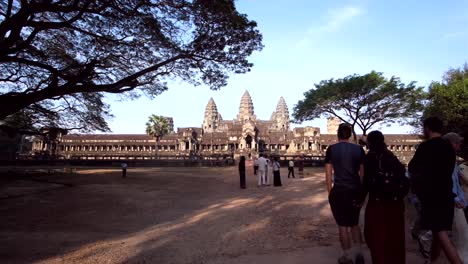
x: 280, y: 117
x: 212, y: 117
x: 246, y: 109
x: 332, y: 125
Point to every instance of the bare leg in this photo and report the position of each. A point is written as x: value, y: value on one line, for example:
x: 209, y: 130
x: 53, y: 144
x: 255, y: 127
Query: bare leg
x: 357, y: 235
x: 444, y: 243
x: 435, y: 248
x: 345, y: 239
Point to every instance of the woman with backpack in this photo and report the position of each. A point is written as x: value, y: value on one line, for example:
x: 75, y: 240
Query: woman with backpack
x: 387, y: 185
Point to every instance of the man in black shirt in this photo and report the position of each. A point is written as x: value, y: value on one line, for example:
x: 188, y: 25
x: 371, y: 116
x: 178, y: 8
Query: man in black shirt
x: 346, y: 161
x: 432, y: 168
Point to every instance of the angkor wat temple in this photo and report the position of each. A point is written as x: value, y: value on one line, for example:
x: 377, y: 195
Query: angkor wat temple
x: 244, y: 135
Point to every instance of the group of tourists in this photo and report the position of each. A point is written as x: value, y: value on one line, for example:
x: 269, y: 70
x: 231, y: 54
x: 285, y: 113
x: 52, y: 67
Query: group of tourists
x: 437, y: 181
x: 266, y: 169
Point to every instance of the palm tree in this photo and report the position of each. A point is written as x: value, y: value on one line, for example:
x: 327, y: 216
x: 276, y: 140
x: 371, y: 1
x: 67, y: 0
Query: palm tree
x: 157, y: 127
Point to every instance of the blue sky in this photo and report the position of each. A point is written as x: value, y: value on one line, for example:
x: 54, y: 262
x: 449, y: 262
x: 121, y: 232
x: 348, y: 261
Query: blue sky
x: 309, y: 41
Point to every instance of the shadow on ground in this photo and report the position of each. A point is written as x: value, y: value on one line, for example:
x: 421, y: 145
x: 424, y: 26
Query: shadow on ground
x: 170, y: 215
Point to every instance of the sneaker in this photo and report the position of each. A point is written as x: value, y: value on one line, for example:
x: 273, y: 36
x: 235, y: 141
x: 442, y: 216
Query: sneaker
x: 425, y: 253
x: 345, y: 260
x: 359, y: 259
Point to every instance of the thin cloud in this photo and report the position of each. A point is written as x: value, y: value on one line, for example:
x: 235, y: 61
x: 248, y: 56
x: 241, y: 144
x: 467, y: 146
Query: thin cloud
x: 335, y: 19
x: 454, y: 35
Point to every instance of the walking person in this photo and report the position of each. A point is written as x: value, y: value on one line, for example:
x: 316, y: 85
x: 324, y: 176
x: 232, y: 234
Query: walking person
x: 269, y: 172
x: 301, y: 167
x: 276, y: 172
x: 345, y: 160
x: 261, y: 173
x: 387, y: 185
x: 291, y: 169
x: 242, y: 172
x: 460, y: 232
x: 463, y: 173
x: 255, y: 166
x: 432, y: 168
x: 124, y: 169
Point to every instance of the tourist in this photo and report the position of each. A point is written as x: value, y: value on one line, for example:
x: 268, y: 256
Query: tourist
x: 255, y: 166
x: 276, y: 172
x: 261, y: 174
x: 124, y: 169
x: 432, y: 168
x: 460, y: 232
x: 269, y: 172
x: 291, y: 169
x: 345, y: 160
x: 387, y: 185
x: 456, y: 140
x: 242, y: 172
x: 300, y: 166
x: 464, y: 182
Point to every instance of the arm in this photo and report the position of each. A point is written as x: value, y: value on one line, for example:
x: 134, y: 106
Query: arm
x: 328, y: 170
x: 457, y: 190
x: 328, y: 176
x: 463, y: 173
x: 361, y: 173
x: 361, y: 167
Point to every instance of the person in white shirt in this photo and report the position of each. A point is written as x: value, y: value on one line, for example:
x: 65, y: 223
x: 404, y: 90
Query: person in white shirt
x: 291, y: 169
x: 261, y: 174
x: 276, y: 172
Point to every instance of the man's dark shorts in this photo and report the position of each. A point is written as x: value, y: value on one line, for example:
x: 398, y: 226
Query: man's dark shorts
x: 437, y: 215
x: 342, y: 202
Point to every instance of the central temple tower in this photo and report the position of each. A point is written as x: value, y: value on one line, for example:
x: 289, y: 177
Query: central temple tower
x: 280, y: 117
x: 246, y: 108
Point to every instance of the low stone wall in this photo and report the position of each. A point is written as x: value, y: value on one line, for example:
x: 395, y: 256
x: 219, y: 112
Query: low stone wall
x: 117, y: 163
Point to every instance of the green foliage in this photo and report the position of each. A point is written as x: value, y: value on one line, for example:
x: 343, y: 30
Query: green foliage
x: 59, y: 58
x: 157, y: 126
x: 448, y: 100
x: 362, y: 100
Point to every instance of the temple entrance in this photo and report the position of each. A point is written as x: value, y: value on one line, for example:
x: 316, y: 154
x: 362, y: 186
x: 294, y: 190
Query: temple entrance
x: 261, y: 145
x: 248, y: 142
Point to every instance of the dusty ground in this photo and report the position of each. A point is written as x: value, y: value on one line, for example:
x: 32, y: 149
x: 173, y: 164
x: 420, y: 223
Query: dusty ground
x: 169, y: 215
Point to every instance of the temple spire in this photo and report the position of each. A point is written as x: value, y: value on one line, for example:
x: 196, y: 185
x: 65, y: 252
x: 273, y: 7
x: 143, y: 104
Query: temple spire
x: 212, y: 116
x: 282, y: 108
x: 280, y: 117
x: 246, y: 108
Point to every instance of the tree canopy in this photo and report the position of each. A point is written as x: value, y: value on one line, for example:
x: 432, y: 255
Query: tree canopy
x: 448, y: 100
x: 59, y: 58
x: 157, y: 126
x: 362, y: 100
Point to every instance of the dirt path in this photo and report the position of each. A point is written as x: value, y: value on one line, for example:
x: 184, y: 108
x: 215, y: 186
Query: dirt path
x: 170, y: 215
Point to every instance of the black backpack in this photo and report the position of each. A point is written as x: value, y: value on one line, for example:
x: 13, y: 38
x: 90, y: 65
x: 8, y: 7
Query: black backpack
x: 385, y: 177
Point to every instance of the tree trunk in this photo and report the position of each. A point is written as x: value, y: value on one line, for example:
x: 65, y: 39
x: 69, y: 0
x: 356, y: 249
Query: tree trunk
x: 156, y: 147
x: 354, y: 135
